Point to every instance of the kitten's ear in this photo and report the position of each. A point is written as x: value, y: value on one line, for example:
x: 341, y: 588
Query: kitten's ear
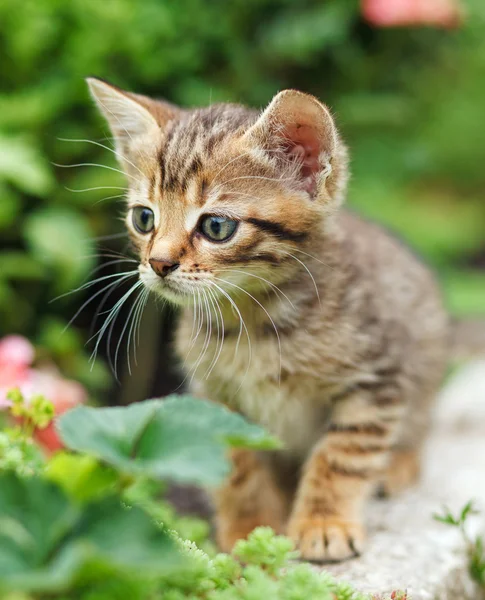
x: 300, y: 129
x: 129, y: 115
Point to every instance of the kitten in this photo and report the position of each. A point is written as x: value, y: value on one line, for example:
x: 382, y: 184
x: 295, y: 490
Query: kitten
x: 305, y: 318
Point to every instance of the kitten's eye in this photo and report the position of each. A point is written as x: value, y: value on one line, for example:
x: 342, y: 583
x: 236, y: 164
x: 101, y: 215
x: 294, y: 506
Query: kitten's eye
x: 218, y: 229
x: 143, y: 219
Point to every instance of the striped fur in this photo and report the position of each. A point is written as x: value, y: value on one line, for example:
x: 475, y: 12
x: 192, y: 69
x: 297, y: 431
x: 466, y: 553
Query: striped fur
x: 309, y: 320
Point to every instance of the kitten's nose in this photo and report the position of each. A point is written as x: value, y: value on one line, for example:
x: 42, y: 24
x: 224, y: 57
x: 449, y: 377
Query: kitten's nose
x: 162, y: 266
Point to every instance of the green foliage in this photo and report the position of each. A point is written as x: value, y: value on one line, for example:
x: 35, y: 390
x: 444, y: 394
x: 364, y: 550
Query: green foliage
x: 267, y: 571
x: 60, y: 240
x: 86, y: 528
x: 81, y: 477
x: 179, y: 439
x: 409, y: 102
x: 148, y: 494
x: 37, y: 413
x: 265, y: 550
x: 18, y: 452
x: 475, y: 545
x: 48, y: 542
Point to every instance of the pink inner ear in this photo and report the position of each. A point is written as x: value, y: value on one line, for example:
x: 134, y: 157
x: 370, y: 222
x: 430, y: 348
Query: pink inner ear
x: 303, y: 146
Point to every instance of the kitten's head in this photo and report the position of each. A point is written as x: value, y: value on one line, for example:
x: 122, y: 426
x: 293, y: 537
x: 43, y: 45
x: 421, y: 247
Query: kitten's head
x: 223, y: 197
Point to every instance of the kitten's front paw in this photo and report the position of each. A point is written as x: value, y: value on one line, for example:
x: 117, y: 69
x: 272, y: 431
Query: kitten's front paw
x: 319, y: 539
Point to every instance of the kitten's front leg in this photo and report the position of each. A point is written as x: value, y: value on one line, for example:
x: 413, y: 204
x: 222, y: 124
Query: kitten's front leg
x: 248, y: 499
x: 340, y: 474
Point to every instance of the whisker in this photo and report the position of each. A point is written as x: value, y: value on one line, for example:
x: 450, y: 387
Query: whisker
x: 131, y: 321
x: 147, y: 119
x: 93, y: 189
x: 113, y: 314
x: 91, y: 283
x: 309, y: 273
x: 116, y: 153
x: 199, y: 319
x: 111, y: 236
x: 137, y: 330
x: 310, y: 255
x: 109, y: 263
x: 194, y: 322
x: 108, y: 198
x: 272, y: 285
x: 242, y: 325
x: 210, y: 300
x: 120, y: 339
x: 110, y: 253
x: 207, y: 336
x: 217, y: 354
x: 89, y: 300
x: 99, y: 310
x: 265, y: 311
x: 96, y: 165
x: 117, y: 257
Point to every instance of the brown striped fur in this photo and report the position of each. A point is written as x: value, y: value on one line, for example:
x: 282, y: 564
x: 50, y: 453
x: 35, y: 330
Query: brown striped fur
x: 335, y: 337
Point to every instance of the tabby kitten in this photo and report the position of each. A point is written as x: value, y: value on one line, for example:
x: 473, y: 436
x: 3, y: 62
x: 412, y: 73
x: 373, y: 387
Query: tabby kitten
x: 305, y: 318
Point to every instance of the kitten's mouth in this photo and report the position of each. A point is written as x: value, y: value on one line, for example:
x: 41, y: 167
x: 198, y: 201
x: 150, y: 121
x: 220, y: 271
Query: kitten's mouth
x: 178, y: 292
x: 175, y: 288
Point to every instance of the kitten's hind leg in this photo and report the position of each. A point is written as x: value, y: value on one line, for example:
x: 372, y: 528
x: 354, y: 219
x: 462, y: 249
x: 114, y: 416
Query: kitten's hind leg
x: 250, y: 498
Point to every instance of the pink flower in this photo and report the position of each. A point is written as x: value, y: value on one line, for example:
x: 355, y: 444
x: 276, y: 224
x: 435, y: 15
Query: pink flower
x: 16, y: 357
x: 16, y: 350
x: 392, y: 13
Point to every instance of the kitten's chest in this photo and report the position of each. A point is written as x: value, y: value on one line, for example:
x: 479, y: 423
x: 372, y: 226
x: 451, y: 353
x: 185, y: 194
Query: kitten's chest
x: 252, y: 377
x: 290, y: 412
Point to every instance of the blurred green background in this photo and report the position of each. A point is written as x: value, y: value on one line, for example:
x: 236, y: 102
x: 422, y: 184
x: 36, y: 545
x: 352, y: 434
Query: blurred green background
x: 410, y: 103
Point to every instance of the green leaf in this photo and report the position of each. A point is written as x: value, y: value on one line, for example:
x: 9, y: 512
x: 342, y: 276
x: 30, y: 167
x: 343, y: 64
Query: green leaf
x: 22, y: 164
x: 181, y: 438
x: 46, y: 540
x: 81, y: 476
x: 60, y: 238
x: 34, y: 518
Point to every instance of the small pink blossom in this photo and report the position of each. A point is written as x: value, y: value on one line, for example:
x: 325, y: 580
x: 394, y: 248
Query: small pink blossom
x: 16, y: 350
x: 395, y: 13
x: 16, y: 358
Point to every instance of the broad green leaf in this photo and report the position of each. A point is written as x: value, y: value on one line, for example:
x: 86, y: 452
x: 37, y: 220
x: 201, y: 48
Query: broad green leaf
x: 60, y: 239
x: 34, y: 518
x: 46, y: 540
x: 180, y: 438
x: 81, y: 476
x: 22, y: 164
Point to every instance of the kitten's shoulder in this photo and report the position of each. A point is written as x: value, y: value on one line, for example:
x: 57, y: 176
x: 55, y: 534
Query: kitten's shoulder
x: 374, y: 238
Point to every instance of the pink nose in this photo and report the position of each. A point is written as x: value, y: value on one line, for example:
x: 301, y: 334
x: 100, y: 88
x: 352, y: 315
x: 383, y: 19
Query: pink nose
x: 162, y: 266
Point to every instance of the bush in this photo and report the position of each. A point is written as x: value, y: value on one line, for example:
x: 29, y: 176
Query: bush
x: 409, y: 101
